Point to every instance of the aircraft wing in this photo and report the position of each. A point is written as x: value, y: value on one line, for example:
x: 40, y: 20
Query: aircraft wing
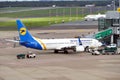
x: 65, y: 47
x: 75, y: 48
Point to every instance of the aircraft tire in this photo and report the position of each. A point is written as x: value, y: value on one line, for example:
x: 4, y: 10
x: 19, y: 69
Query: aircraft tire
x: 65, y: 51
x: 87, y: 49
x: 55, y: 51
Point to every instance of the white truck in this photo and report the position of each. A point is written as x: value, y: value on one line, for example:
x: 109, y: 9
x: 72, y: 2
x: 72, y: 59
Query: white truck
x: 94, y: 51
x: 31, y: 55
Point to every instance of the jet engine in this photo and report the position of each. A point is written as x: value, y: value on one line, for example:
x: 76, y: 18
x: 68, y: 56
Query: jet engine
x: 79, y: 48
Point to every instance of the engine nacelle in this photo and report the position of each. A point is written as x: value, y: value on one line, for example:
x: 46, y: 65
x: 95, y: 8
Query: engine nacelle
x: 79, y: 48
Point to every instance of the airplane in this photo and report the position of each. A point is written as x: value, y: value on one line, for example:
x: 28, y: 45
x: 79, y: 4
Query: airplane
x: 63, y: 44
x: 94, y: 17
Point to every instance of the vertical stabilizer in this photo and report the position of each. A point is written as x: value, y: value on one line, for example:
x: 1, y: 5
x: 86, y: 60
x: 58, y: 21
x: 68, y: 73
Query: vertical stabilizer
x: 23, y: 32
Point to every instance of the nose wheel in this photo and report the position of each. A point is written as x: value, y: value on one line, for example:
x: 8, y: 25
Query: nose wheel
x: 87, y: 49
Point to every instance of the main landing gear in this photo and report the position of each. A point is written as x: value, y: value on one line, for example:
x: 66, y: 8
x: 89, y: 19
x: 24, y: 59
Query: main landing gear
x: 56, y: 51
x: 65, y: 50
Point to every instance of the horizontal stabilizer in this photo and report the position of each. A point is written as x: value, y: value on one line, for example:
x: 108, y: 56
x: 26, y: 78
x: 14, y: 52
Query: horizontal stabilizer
x: 14, y: 41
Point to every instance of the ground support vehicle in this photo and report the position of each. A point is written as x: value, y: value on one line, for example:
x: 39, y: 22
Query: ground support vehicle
x: 21, y: 56
x: 106, y: 50
x: 109, y: 50
x: 31, y: 55
x: 94, y: 51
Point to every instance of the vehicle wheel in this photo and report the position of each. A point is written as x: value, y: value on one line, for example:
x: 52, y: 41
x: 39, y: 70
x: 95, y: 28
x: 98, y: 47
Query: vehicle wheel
x: 18, y: 57
x: 92, y: 54
x: 103, y: 53
x: 107, y: 53
x: 113, y: 53
x: 74, y: 50
x: 27, y: 56
x: 55, y: 51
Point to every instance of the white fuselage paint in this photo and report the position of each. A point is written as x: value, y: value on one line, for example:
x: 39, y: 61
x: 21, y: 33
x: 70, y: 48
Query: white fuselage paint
x: 60, y: 43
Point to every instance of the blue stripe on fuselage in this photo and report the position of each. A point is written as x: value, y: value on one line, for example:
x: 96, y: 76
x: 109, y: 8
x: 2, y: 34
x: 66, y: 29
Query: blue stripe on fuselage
x: 80, y: 43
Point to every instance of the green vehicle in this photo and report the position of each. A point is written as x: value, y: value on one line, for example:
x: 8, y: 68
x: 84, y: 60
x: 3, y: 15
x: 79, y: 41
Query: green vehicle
x: 21, y: 56
x: 111, y: 49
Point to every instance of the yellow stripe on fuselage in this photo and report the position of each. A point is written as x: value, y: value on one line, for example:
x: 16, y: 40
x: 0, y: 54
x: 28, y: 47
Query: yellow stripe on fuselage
x: 41, y: 43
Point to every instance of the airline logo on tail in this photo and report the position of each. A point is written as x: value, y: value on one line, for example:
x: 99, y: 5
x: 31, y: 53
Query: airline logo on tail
x: 22, y: 31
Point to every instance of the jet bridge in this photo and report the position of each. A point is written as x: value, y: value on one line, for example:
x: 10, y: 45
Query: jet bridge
x: 103, y: 34
x: 110, y: 22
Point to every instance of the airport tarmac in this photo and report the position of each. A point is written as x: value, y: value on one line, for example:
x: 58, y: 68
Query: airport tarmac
x: 50, y: 66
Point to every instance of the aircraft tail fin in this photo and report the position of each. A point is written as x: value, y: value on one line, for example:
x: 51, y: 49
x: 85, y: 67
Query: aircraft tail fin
x: 24, y: 34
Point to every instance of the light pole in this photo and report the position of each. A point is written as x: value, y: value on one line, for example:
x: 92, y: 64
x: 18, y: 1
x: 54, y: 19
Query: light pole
x: 119, y: 3
x: 49, y: 15
x: 56, y: 11
x: 119, y: 20
x: 76, y: 13
x: 113, y: 2
x: 70, y: 15
x: 63, y: 15
x: 118, y: 42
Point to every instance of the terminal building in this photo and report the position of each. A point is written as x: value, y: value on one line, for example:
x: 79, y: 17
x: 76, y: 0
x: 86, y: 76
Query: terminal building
x: 109, y: 28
